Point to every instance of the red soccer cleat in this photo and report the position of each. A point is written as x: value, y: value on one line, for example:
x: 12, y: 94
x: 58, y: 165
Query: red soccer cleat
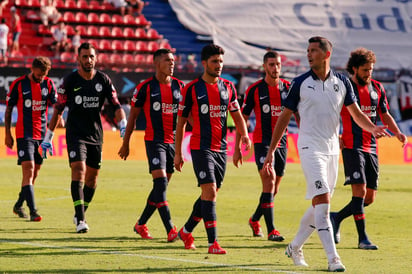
x: 172, y: 235
x: 255, y: 226
x: 187, y: 239
x: 216, y: 249
x: 143, y: 231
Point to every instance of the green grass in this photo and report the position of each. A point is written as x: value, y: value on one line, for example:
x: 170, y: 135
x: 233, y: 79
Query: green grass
x: 52, y: 246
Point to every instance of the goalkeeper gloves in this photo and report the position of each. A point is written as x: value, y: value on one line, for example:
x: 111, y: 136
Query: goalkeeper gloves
x: 47, y: 144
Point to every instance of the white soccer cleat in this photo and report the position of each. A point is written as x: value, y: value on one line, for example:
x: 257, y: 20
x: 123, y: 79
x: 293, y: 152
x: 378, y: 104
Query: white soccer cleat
x: 336, y: 265
x: 296, y: 255
x: 82, y: 227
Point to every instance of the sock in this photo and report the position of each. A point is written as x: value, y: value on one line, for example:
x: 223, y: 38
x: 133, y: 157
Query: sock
x: 324, y: 228
x: 306, y: 228
x: 148, y: 210
x: 77, y: 197
x: 195, y: 217
x: 266, y: 204
x: 359, y: 216
x: 88, y: 194
x: 159, y: 194
x: 344, y: 213
x: 20, y: 200
x: 28, y: 194
x: 209, y: 218
x: 258, y: 212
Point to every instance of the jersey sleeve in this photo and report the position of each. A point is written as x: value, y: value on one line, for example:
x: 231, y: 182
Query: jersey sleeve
x: 350, y: 96
x: 139, y: 95
x: 62, y: 94
x: 111, y: 94
x: 234, y: 103
x: 292, y: 99
x: 383, y: 105
x: 186, y: 101
x: 13, y: 94
x: 52, y: 97
x: 249, y: 102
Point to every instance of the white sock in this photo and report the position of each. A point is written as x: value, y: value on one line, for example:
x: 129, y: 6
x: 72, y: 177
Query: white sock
x: 305, y: 230
x: 324, y: 228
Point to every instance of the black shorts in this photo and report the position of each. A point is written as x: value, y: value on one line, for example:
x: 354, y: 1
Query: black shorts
x: 360, y: 168
x: 209, y: 166
x: 28, y: 150
x: 91, y: 154
x: 160, y: 156
x: 279, y: 164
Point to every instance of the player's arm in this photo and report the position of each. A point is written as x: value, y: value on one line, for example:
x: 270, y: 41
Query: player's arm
x: 9, y: 141
x: 388, y: 120
x: 120, y: 116
x: 364, y: 122
x: 237, y: 155
x: 180, y: 132
x: 131, y: 121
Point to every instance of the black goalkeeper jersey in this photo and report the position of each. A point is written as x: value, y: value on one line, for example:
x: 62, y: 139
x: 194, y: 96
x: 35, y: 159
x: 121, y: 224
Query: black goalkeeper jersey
x: 85, y: 99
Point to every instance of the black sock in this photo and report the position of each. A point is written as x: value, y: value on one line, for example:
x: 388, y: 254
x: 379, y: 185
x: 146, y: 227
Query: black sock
x: 344, y: 213
x: 359, y: 216
x: 159, y: 194
x: 148, y: 210
x: 78, y: 202
x: 28, y: 194
x: 195, y: 216
x: 258, y: 212
x: 266, y: 203
x: 20, y: 200
x: 88, y: 194
x: 209, y: 218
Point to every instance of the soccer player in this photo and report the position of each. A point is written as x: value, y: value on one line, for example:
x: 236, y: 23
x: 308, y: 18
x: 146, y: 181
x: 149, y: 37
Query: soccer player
x: 318, y: 95
x: 158, y: 97
x: 84, y: 92
x: 359, y: 147
x: 32, y: 94
x: 265, y: 97
x: 207, y: 99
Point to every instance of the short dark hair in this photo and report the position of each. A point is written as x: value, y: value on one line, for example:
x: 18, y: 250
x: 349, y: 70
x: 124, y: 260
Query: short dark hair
x: 324, y: 43
x: 85, y: 45
x: 42, y: 63
x: 270, y: 54
x: 360, y: 57
x: 160, y: 52
x: 211, y: 50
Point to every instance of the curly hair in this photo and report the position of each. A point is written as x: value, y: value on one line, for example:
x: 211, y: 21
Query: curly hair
x: 360, y: 57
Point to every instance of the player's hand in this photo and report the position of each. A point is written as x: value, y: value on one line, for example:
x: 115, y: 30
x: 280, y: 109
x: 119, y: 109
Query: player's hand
x: 124, y: 152
x: 268, y: 164
x: 380, y: 131
x: 237, y: 158
x: 9, y: 141
x: 246, y: 142
x: 122, y: 127
x: 47, y: 145
x: 178, y: 162
x: 341, y: 143
x: 402, y: 138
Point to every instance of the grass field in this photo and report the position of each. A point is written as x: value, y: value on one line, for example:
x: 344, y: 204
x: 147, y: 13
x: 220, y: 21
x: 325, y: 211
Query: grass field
x: 52, y: 246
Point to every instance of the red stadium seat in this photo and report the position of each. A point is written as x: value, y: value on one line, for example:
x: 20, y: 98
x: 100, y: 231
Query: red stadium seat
x: 141, y: 46
x: 43, y: 30
x: 149, y: 59
x: 129, y: 46
x: 82, y: 30
x: 117, y: 32
x: 31, y: 15
x: 140, y: 59
x: 115, y: 59
x: 21, y: 3
x: 128, y: 59
x: 93, y: 18
x: 94, y: 42
x: 165, y: 45
x: 69, y: 17
x: 67, y: 57
x: 141, y: 20
x: 70, y: 30
x: 117, y: 45
x: 105, y: 32
x: 105, y: 45
x: 81, y: 17
x: 140, y: 33
x: 152, y: 46
x: 105, y: 19
x: 129, y: 20
x: 103, y: 58
x: 82, y: 4
x: 117, y: 19
x: 59, y: 4
x: 70, y: 4
x: 92, y: 31
x: 95, y: 5
x: 128, y: 33
x: 153, y: 34
x: 34, y: 3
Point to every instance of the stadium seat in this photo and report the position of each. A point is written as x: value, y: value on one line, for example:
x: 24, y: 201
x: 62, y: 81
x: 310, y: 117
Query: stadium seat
x: 128, y: 33
x: 117, y: 19
x: 115, y: 58
x: 67, y: 57
x: 21, y: 3
x: 82, y: 4
x: 117, y: 45
x: 105, y: 32
x: 149, y: 59
x: 70, y: 30
x: 129, y: 46
x: 103, y: 58
x: 105, y: 45
x: 32, y: 15
x: 95, y: 5
x: 33, y: 3
x: 140, y: 59
x: 94, y: 42
x: 141, y: 20
x: 81, y: 17
x: 69, y: 17
x: 70, y: 4
x: 93, y: 18
x: 165, y: 45
x: 117, y: 32
x: 43, y: 30
x: 141, y: 46
x: 140, y: 33
x: 82, y: 30
x: 153, y: 34
x: 59, y: 4
x: 128, y: 59
x: 152, y: 46
x: 129, y: 20
x: 105, y: 19
x: 92, y: 31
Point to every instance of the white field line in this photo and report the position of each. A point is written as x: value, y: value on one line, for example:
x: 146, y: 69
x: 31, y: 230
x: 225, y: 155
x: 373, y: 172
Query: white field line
x: 156, y: 258
x: 43, y: 199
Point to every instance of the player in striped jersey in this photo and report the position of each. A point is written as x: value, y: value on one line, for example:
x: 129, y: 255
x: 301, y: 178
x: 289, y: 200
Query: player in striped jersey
x: 265, y: 98
x: 208, y: 99
x: 358, y: 146
x: 158, y: 98
x: 31, y: 94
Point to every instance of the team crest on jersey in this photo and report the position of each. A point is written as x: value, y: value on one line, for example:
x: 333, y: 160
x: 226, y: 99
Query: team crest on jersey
x: 336, y: 87
x: 262, y: 159
x: 265, y: 108
x: 21, y: 153
x: 202, y: 174
x: 224, y: 95
x: 284, y: 95
x: 61, y: 90
x: 374, y: 95
x: 78, y: 99
x: 72, y: 154
x: 27, y: 103
x: 204, y: 109
x: 156, y: 106
x: 155, y: 161
x: 356, y: 175
x: 176, y: 94
x: 44, y: 91
x: 98, y: 87
x: 318, y: 184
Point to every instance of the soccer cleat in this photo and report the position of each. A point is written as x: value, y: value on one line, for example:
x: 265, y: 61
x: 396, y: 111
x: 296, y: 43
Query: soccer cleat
x: 275, y: 236
x: 256, y: 229
x: 172, y: 235
x: 365, y: 244
x: 35, y: 217
x: 19, y: 211
x: 216, y: 249
x: 187, y: 239
x: 143, y: 231
x: 335, y: 227
x: 336, y: 265
x: 82, y: 227
x: 296, y: 255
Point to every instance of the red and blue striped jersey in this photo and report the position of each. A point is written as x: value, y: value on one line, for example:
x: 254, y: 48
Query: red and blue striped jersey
x: 32, y: 100
x: 266, y: 101
x: 160, y: 104
x: 209, y: 105
x: 371, y: 100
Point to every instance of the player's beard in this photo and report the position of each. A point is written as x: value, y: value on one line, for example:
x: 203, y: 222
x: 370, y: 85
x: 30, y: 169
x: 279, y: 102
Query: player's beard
x: 361, y: 81
x: 35, y: 79
x: 87, y: 68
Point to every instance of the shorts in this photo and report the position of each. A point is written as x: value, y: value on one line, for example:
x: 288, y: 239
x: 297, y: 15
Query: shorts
x: 209, y: 166
x: 321, y: 172
x: 3, y: 52
x: 360, y: 168
x: 16, y: 36
x: 91, y: 154
x: 28, y: 150
x: 160, y: 156
x: 279, y: 164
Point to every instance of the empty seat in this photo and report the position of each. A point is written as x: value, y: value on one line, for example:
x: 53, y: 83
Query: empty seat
x: 94, y: 42
x: 128, y: 59
x: 116, y: 59
x: 140, y: 33
x: 152, y: 46
x: 105, y: 19
x: 117, y: 45
x: 21, y: 3
x: 129, y: 20
x: 95, y: 5
x: 92, y: 31
x: 129, y: 46
x: 67, y: 57
x: 34, y: 3
x: 70, y: 4
x: 82, y: 30
x: 93, y: 18
x: 140, y: 59
x: 70, y: 30
x: 103, y: 58
x: 153, y: 34
x: 141, y: 46
x: 105, y: 45
x: 117, y: 32
x: 82, y: 4
x: 43, y: 30
x: 105, y: 32
x: 128, y: 33
x: 69, y: 17
x: 59, y: 4
x: 117, y: 19
x: 81, y: 17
